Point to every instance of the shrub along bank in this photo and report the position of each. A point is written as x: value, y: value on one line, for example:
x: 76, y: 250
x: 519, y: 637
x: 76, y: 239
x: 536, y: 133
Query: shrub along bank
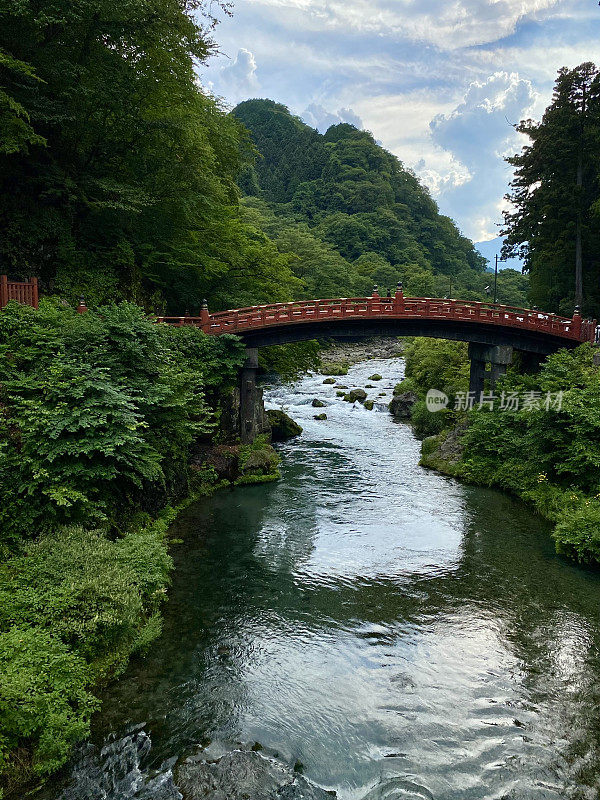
x: 99, y: 414
x: 550, y: 457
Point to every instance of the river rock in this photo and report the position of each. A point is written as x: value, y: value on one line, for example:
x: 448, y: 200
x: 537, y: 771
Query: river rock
x: 376, y: 377
x: 402, y: 404
x: 283, y: 427
x: 356, y: 394
x: 244, y: 774
x: 369, y: 404
x: 329, y: 381
x: 320, y: 417
x: 316, y: 403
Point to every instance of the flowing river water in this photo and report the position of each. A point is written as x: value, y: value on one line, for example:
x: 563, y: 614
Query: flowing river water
x: 397, y: 633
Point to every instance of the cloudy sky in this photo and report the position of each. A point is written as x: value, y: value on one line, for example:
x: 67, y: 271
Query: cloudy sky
x: 437, y: 83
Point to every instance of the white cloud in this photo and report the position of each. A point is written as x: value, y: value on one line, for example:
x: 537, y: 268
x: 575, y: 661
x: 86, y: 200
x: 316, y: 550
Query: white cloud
x: 237, y: 81
x: 479, y: 133
x: 450, y: 25
x: 483, y: 122
x: 318, y: 117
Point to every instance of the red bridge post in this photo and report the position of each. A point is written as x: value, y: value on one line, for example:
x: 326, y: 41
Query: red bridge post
x: 3, y: 290
x: 399, y: 298
x: 205, y: 317
x: 577, y: 322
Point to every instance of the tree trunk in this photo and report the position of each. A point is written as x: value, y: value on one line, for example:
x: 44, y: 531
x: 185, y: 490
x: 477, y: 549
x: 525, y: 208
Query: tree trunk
x: 578, y: 250
x: 578, y: 246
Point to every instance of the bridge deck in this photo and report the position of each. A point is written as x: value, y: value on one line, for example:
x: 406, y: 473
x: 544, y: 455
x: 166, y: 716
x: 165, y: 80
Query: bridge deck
x: 244, y: 320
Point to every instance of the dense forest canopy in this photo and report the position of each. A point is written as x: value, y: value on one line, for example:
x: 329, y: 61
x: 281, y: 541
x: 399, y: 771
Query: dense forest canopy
x: 117, y: 172
x: 554, y: 224
x: 350, y: 215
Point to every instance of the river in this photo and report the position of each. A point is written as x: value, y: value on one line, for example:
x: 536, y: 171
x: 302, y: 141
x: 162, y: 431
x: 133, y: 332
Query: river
x: 398, y: 634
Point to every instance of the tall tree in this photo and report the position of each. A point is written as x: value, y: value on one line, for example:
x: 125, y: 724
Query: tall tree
x: 555, y: 187
x: 117, y: 172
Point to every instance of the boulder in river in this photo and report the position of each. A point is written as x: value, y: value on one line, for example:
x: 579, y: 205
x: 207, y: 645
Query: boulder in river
x: 316, y: 403
x: 369, y: 404
x: 244, y: 774
x: 376, y: 377
x: 356, y: 394
x: 329, y: 381
x: 320, y: 417
x: 402, y: 405
x: 282, y: 426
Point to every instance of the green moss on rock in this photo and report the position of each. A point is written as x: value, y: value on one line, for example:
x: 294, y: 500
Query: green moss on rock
x: 283, y: 427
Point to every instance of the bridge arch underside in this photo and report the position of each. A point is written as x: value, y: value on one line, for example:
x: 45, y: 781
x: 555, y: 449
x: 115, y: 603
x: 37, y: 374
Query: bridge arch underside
x: 528, y: 341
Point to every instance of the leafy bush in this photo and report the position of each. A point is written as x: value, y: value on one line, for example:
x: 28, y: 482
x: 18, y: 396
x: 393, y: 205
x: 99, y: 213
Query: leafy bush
x: 437, y: 364
x: 44, y: 696
x: 577, y: 533
x: 549, y: 457
x: 426, y: 423
x: 289, y: 361
x: 97, y: 408
x: 73, y: 607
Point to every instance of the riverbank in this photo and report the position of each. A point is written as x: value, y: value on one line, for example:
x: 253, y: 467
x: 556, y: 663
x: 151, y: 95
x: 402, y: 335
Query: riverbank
x: 537, y: 437
x: 349, y: 353
x: 115, y: 614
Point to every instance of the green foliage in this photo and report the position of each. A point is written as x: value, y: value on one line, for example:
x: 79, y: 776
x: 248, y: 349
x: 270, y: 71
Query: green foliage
x: 290, y: 361
x: 97, y: 410
x: 577, y: 533
x: 405, y: 386
x: 73, y: 606
x: 549, y: 457
x: 436, y: 364
x: 346, y: 213
x: 44, y: 696
x: 125, y: 168
x: 555, y: 196
x: 425, y: 423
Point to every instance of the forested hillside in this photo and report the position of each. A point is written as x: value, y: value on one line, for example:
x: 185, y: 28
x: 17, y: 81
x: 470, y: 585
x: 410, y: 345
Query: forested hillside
x: 350, y: 215
x: 117, y: 172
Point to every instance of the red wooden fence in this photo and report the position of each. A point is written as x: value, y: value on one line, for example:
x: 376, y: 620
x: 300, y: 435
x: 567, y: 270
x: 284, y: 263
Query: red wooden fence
x: 25, y: 293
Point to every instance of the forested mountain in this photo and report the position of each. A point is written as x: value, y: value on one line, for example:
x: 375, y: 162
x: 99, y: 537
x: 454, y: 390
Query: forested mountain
x: 351, y: 215
x: 555, y: 222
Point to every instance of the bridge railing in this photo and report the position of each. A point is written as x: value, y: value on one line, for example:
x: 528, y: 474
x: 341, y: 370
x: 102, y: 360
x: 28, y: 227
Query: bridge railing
x: 397, y: 307
x: 25, y: 292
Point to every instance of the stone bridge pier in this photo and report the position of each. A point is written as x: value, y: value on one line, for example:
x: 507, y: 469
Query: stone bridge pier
x: 252, y: 417
x: 498, y: 357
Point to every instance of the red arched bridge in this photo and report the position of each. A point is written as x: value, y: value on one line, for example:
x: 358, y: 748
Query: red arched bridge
x: 493, y: 331
x: 524, y: 329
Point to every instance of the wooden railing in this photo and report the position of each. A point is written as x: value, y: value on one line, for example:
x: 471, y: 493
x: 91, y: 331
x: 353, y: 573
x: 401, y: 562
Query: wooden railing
x: 25, y: 293
x: 242, y: 320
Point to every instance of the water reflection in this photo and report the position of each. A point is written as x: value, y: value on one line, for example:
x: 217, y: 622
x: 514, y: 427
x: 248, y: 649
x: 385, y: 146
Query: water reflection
x: 400, y: 634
